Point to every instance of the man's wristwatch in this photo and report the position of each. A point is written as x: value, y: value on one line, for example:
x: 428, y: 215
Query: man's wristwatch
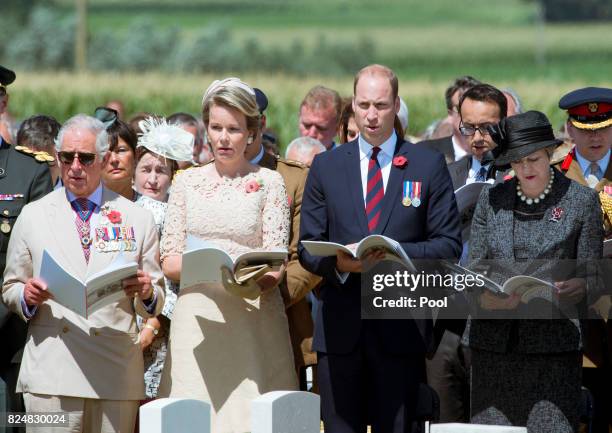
x: 155, y: 330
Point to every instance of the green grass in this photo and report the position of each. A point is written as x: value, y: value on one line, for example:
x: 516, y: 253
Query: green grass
x: 63, y: 95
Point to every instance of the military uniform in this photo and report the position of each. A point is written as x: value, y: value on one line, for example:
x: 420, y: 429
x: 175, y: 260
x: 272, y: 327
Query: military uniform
x: 299, y: 281
x: 23, y: 179
x: 590, y: 109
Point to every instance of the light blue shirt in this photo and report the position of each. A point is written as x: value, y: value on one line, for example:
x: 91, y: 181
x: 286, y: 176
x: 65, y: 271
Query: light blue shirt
x: 584, y: 163
x: 384, y: 157
x: 259, y: 156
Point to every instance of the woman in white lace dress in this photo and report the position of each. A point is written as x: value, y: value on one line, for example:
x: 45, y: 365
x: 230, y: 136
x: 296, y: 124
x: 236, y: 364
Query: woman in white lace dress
x: 225, y: 349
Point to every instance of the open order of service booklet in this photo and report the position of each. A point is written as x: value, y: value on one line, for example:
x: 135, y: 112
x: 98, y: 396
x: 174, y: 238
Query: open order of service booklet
x: 84, y: 298
x: 393, y: 249
x: 524, y: 285
x: 202, y: 262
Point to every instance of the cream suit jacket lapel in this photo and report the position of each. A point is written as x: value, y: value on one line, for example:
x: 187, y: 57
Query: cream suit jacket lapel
x: 66, y: 238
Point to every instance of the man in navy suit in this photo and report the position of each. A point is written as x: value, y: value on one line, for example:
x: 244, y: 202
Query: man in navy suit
x: 369, y: 370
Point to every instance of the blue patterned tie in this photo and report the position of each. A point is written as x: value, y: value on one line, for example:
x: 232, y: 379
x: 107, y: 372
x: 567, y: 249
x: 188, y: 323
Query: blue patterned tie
x: 481, y: 176
x: 84, y: 209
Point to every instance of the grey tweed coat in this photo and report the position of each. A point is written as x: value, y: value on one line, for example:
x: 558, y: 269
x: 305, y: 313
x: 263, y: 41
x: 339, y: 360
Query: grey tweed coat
x: 577, y: 234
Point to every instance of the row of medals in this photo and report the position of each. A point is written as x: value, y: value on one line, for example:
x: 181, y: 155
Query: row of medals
x: 407, y: 201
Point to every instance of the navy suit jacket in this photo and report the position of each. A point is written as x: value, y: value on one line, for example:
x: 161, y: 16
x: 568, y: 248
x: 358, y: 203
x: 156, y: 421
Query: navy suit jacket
x: 333, y: 210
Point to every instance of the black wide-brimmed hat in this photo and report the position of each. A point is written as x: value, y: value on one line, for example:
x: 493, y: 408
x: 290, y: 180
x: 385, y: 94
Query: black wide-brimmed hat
x: 520, y: 135
x: 6, y: 76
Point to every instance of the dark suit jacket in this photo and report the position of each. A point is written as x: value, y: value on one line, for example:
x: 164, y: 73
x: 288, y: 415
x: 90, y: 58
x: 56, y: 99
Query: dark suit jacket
x: 333, y: 210
x: 577, y: 235
x: 443, y: 145
x: 459, y: 171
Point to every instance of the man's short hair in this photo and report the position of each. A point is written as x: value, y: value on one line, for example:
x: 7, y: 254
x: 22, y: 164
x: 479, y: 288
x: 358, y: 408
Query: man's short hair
x: 321, y: 97
x: 89, y: 123
x: 378, y: 70
x: 38, y: 133
x: 486, y: 93
x: 460, y: 84
x: 181, y: 118
x: 304, y: 146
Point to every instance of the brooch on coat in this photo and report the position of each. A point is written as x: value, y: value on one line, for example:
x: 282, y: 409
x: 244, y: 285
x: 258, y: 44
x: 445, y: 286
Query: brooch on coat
x: 556, y: 214
x: 110, y: 235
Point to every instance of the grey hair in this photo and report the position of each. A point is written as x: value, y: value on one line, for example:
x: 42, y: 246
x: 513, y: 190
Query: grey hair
x: 515, y: 97
x: 304, y: 145
x: 83, y: 121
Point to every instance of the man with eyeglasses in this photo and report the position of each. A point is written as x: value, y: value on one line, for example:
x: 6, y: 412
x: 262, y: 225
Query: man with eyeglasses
x: 90, y: 367
x: 480, y: 107
x: 24, y: 177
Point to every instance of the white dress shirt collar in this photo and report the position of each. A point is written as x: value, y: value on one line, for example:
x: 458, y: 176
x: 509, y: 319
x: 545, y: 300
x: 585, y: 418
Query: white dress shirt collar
x: 459, y: 151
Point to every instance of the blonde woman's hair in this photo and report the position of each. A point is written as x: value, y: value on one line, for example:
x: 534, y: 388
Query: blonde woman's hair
x: 227, y: 94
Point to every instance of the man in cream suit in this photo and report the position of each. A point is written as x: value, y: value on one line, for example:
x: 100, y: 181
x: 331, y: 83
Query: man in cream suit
x: 91, y: 368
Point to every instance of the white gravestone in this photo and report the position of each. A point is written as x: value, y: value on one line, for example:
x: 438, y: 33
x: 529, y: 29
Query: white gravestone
x: 175, y: 415
x: 286, y: 411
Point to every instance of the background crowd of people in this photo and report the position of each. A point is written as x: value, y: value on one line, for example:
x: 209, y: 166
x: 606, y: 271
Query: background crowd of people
x: 153, y: 181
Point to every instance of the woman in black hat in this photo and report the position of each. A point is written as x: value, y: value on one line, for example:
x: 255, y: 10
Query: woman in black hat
x: 526, y: 370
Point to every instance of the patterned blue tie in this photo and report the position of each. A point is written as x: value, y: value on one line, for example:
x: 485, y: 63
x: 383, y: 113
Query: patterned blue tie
x: 481, y: 176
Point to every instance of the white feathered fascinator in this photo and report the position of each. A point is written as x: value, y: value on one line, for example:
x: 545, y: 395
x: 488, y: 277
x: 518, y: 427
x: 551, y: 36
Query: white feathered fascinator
x: 169, y: 141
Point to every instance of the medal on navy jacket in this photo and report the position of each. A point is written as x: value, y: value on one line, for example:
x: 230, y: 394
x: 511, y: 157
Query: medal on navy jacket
x: 110, y: 235
x: 411, y: 195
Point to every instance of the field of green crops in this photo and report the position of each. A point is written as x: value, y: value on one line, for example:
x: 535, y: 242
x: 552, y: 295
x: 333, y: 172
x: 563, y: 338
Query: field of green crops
x: 62, y: 95
x: 427, y: 43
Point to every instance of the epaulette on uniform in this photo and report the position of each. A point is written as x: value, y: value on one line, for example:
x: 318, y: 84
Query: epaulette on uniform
x: 39, y: 156
x: 291, y: 162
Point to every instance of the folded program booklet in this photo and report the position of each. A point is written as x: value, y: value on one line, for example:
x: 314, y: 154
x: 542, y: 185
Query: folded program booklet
x: 392, y: 248
x: 202, y: 262
x: 84, y: 298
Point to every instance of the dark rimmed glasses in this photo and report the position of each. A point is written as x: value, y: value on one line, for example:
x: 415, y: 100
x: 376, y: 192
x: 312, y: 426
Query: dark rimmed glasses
x: 85, y: 158
x: 468, y: 130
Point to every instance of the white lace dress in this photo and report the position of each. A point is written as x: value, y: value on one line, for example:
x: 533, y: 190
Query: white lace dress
x: 225, y: 349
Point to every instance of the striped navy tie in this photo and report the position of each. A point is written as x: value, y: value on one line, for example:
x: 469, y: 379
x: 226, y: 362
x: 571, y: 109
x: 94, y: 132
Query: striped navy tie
x: 374, y: 191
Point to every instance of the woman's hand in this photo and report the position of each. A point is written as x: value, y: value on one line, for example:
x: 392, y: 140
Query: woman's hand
x: 571, y: 291
x: 489, y: 301
x: 147, y: 334
x: 272, y: 279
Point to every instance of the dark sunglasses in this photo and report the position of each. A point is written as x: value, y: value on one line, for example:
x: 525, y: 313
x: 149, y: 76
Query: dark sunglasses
x: 86, y: 159
x: 106, y: 115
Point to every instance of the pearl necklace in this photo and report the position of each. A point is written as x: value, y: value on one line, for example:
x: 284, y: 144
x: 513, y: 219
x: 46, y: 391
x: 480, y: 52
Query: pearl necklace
x: 530, y: 201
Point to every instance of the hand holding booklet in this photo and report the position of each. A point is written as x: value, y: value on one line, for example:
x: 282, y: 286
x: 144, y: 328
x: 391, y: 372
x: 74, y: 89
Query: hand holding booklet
x: 392, y: 248
x: 84, y: 298
x: 202, y: 262
x: 527, y: 287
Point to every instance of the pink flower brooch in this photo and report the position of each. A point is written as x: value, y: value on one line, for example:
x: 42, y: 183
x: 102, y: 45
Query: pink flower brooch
x: 253, y: 185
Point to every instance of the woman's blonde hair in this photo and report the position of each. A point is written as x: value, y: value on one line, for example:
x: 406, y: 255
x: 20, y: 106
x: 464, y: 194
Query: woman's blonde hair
x: 233, y: 93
